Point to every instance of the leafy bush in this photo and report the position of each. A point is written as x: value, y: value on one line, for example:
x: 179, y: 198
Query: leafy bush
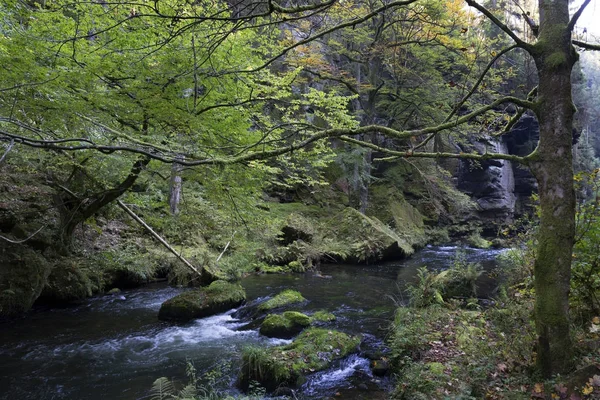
x: 426, y: 291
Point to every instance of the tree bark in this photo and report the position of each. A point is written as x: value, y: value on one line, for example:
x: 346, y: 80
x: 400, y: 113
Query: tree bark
x: 553, y: 168
x: 74, y: 210
x: 175, y: 186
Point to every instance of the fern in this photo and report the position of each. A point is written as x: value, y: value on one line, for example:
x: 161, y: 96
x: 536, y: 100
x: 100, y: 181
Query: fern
x: 162, y: 389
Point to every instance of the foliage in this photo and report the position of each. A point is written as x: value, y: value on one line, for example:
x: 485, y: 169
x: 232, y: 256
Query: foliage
x: 461, y: 278
x: 426, y: 291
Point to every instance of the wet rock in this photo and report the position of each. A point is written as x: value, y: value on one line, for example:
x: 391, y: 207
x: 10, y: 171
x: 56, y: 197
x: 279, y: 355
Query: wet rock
x: 114, y: 291
x: 219, y: 297
x: 380, y: 367
x: 313, y: 350
x: 285, y: 298
x: 284, y: 325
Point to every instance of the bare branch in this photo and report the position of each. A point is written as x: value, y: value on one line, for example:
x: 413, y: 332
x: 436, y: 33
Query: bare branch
x: 586, y: 46
x: 577, y: 14
x: 521, y: 43
x: 23, y: 240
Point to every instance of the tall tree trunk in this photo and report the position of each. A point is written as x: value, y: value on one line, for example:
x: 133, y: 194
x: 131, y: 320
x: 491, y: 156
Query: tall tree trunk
x: 553, y: 169
x: 175, y: 186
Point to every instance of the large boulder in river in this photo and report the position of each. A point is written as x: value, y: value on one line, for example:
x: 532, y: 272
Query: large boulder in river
x: 219, y: 297
x: 286, y: 366
x: 370, y: 238
x: 284, y: 326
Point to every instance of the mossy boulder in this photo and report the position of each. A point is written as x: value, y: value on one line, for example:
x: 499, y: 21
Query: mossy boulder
x: 23, y: 275
x: 67, y: 282
x: 284, y: 325
x: 297, y: 227
x: 323, y: 316
x: 369, y: 238
x: 286, y: 366
x: 219, y: 297
x: 282, y: 299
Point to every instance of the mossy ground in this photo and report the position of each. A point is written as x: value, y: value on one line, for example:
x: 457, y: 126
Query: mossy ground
x: 441, y: 353
x: 313, y: 350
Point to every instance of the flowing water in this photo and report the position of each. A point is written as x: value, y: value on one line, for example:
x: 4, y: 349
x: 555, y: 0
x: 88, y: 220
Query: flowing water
x: 114, y: 347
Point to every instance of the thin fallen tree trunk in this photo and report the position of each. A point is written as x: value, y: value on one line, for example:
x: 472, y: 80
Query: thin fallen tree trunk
x: 158, y: 237
x: 225, y: 249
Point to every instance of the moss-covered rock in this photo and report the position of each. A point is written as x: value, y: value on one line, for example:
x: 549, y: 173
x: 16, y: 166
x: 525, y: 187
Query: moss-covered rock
x: 370, y: 239
x: 284, y: 325
x: 313, y: 350
x: 297, y: 227
x: 282, y: 299
x: 323, y: 316
x: 23, y: 274
x: 67, y: 282
x: 219, y: 297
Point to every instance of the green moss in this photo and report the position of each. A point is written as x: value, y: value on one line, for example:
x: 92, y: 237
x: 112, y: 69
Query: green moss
x: 556, y: 59
x: 284, y: 325
x: 313, y: 350
x: 282, y: 299
x: 23, y: 274
x: 67, y: 282
x: 323, y: 316
x: 296, y: 266
x: 225, y: 292
x: 475, y: 240
x: 369, y: 238
x: 219, y: 297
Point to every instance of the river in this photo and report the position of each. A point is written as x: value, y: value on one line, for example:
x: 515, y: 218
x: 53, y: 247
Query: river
x: 114, y: 347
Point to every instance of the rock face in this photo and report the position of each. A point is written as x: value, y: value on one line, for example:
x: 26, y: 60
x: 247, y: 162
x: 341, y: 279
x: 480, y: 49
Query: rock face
x: 500, y: 188
x: 490, y: 183
x: 285, y: 366
x: 219, y: 297
x: 284, y: 325
x: 521, y: 141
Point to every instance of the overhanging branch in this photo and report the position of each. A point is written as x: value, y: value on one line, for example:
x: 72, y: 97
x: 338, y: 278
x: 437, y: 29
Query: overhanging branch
x: 395, y: 154
x: 585, y: 45
x: 577, y: 14
x: 521, y: 43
